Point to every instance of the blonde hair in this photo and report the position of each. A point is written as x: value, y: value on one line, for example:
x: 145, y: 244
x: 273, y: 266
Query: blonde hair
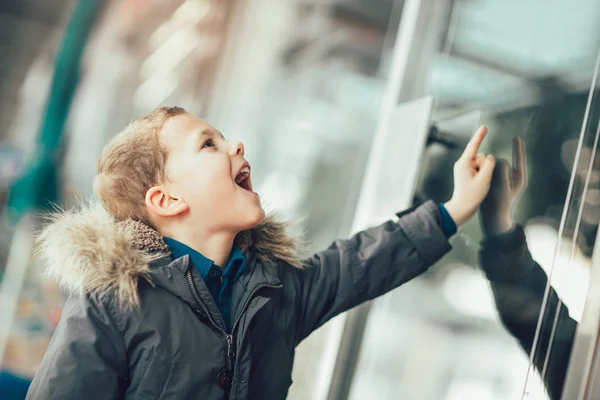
x: 131, y: 163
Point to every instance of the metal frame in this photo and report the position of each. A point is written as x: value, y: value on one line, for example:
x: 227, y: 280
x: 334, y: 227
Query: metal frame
x: 583, y: 376
x: 406, y: 138
x: 418, y: 39
x: 583, y: 365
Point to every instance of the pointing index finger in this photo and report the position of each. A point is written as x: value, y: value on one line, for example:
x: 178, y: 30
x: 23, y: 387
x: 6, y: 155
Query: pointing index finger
x: 518, y: 157
x: 519, y: 166
x: 475, y: 142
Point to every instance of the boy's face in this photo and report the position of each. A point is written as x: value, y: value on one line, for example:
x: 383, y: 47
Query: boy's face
x: 210, y: 174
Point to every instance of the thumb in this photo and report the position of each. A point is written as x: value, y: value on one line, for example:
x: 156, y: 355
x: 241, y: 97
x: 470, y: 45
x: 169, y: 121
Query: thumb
x: 487, y: 169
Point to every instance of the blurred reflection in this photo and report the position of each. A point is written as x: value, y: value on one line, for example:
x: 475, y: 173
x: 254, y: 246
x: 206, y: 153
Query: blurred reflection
x: 518, y: 282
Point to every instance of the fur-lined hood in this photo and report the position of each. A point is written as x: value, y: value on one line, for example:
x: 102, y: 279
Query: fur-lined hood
x: 87, y: 252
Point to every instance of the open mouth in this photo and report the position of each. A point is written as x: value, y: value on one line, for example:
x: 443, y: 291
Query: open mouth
x: 243, y: 178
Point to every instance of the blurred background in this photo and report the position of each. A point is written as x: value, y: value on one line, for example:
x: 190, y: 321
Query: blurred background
x: 305, y: 84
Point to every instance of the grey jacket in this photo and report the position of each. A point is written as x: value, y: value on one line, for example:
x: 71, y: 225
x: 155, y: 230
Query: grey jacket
x: 139, y: 325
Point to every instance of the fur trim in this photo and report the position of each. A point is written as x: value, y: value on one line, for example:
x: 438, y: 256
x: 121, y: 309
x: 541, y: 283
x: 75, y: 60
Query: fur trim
x: 87, y: 252
x: 270, y: 242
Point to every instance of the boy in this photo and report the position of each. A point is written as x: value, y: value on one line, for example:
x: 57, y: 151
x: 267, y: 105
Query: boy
x: 182, y: 289
x: 518, y: 282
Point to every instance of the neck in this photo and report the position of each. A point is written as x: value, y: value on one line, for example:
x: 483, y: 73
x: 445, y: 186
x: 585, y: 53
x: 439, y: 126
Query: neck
x: 215, y: 246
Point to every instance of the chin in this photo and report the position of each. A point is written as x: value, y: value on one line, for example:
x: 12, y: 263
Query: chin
x: 250, y: 219
x: 256, y: 217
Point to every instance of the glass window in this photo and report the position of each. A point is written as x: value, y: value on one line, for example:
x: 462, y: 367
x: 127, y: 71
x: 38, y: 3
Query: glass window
x: 522, y: 69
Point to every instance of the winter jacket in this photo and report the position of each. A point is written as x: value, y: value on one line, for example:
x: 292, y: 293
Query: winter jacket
x: 140, y: 325
x: 518, y: 284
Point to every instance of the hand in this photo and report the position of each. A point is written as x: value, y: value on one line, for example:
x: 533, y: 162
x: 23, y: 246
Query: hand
x: 506, y: 187
x: 472, y: 177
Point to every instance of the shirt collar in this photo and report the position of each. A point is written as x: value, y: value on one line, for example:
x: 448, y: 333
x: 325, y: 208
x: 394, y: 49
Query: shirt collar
x: 236, y: 264
x: 234, y: 268
x: 179, y: 249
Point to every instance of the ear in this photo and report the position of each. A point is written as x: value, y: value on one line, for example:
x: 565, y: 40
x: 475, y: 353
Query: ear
x: 163, y: 204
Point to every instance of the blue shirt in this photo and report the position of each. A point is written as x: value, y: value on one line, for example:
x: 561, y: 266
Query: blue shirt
x: 218, y: 281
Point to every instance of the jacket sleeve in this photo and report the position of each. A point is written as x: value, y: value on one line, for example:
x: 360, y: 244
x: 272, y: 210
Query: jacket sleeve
x: 518, y: 284
x: 85, y: 358
x: 367, y: 265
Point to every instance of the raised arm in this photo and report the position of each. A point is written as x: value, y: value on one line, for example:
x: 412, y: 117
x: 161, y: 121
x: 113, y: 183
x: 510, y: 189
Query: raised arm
x: 380, y: 259
x: 367, y: 265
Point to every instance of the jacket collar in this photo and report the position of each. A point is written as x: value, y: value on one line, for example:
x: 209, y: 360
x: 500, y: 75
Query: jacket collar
x: 86, y: 251
x: 171, y: 275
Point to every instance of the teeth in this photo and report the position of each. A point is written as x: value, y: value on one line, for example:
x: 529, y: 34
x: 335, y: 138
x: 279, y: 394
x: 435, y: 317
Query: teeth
x: 243, y: 174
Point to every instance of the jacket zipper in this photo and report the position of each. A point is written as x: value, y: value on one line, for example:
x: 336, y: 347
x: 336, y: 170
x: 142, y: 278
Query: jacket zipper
x: 227, y: 336
x: 252, y: 292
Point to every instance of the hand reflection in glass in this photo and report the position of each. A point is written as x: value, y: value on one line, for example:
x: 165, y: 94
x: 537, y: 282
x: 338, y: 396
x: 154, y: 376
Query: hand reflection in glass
x: 508, y: 183
x: 518, y: 282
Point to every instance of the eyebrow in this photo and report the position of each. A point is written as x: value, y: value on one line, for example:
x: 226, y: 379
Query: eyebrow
x: 208, y: 132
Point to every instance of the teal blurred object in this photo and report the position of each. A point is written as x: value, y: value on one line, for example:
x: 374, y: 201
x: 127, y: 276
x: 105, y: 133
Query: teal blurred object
x: 13, y: 387
x: 38, y: 186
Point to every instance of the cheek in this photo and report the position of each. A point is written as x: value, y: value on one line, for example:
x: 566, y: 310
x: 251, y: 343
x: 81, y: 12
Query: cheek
x: 209, y: 190
x: 213, y: 185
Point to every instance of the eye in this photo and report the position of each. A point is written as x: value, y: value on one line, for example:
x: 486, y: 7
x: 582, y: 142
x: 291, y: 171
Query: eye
x: 208, y: 143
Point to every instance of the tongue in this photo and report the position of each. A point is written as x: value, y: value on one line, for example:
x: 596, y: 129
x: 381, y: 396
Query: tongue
x: 242, y: 181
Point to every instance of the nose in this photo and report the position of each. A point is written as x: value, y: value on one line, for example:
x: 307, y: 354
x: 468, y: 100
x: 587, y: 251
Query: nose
x: 236, y: 149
